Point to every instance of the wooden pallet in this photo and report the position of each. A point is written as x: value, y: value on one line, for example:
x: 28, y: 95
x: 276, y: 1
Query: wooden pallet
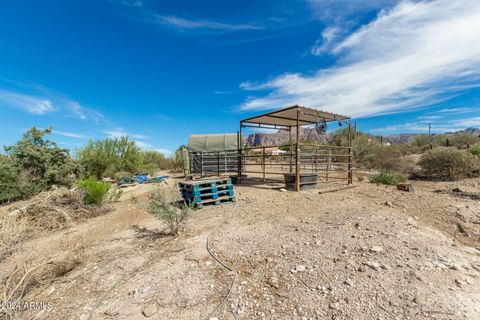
x: 202, y: 191
x: 205, y: 183
x: 206, y: 196
x: 216, y: 202
x: 207, y: 191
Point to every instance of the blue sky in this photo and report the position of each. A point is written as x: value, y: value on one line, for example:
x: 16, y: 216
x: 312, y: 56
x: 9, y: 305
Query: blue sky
x: 159, y: 71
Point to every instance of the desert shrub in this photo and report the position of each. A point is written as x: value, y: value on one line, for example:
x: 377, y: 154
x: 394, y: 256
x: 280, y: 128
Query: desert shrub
x: 95, y: 191
x: 162, y: 207
x: 154, y: 161
x: 149, y: 168
x: 385, y: 157
x: 34, y: 164
x: 448, y: 164
x: 387, y: 177
x: 422, y: 140
x: 122, y: 174
x: 462, y: 139
x: 119, y: 156
x: 364, y: 146
x: 180, y: 159
x: 360, y: 178
x: 9, y: 188
x: 114, y: 194
x: 475, y: 150
x: 106, y: 157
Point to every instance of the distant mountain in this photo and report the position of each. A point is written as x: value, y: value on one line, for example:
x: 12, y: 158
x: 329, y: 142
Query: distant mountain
x: 473, y: 131
x: 281, y: 137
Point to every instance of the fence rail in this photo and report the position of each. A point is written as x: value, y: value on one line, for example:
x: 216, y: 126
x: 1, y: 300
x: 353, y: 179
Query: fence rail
x: 327, y: 161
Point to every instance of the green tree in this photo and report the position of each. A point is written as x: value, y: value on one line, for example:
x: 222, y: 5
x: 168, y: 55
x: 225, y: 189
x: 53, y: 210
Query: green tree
x: 154, y: 160
x: 180, y: 159
x: 106, y: 157
x: 34, y: 164
x: 9, y: 188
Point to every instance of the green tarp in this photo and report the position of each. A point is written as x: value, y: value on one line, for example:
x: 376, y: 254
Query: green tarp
x: 212, y: 142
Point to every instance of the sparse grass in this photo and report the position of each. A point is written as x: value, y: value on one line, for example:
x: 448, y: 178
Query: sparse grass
x: 388, y: 178
x: 114, y: 194
x: 95, y: 191
x: 165, y: 209
x: 12, y: 233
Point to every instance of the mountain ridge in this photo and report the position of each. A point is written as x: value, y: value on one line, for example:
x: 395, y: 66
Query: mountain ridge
x: 310, y: 134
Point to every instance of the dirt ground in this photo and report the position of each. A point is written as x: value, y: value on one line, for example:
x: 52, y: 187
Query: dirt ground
x: 370, y: 252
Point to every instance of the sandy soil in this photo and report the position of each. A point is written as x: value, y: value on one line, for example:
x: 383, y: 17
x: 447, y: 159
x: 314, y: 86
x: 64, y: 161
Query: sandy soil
x: 371, y: 252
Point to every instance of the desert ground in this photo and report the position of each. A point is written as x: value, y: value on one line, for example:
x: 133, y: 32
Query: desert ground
x: 370, y: 252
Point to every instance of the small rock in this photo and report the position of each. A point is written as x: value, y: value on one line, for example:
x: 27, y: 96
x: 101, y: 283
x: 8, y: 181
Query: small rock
x: 149, y: 310
x: 334, y: 306
x: 273, y: 282
x: 111, y: 313
x: 389, y: 204
x: 300, y: 268
x: 348, y: 282
x: 417, y: 300
x: 376, y: 249
x: 373, y: 265
x: 283, y: 190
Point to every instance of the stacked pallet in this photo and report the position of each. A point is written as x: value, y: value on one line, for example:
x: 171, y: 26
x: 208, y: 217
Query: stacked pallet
x: 207, y: 191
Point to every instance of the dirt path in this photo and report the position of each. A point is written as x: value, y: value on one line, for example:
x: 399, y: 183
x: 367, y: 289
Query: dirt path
x: 371, y: 252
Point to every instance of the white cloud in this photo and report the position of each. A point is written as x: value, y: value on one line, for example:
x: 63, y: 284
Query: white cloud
x: 329, y: 35
x: 32, y: 104
x: 144, y: 145
x: 36, y: 99
x: 70, y: 134
x: 185, y: 24
x: 340, y: 10
x: 438, y: 126
x: 414, y: 55
x: 117, y: 133
x: 429, y: 118
x: 456, y: 110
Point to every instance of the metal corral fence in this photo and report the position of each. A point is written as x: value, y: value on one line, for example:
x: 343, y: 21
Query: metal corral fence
x: 326, y: 161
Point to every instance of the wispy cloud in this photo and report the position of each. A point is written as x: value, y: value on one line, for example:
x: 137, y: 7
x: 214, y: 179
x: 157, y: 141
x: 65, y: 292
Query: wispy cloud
x: 39, y: 100
x: 70, y: 134
x: 117, y: 133
x: 337, y: 11
x: 429, y: 118
x: 133, y: 3
x: 456, y: 110
x: 329, y: 35
x: 414, y: 55
x: 29, y: 103
x: 193, y: 24
x: 437, y: 125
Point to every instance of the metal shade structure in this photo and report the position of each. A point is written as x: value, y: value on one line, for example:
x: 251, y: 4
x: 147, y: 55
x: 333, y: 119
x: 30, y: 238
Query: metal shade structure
x: 294, y: 117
